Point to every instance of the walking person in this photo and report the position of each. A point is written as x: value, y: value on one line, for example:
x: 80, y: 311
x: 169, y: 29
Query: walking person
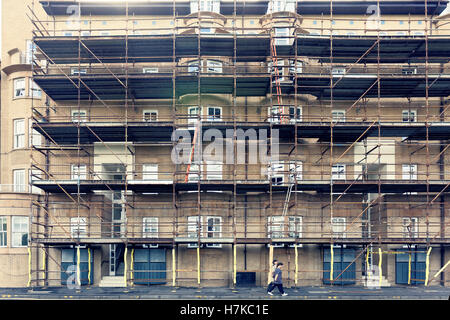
x: 272, y: 273
x: 278, y: 280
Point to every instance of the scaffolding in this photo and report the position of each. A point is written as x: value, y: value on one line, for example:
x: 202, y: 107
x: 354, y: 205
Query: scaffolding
x: 332, y: 159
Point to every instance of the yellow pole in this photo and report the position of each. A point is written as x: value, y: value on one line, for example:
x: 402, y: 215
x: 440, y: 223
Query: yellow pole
x: 380, y: 260
x: 174, y: 268
x: 296, y: 264
x: 198, y: 265
x: 126, y: 266
x: 427, y: 270
x: 43, y: 259
x: 331, y: 263
x: 29, y: 267
x: 442, y: 269
x: 367, y: 263
x: 269, y: 278
x: 132, y: 266
x: 78, y: 267
x: 89, y: 265
x: 234, y: 264
x: 409, y: 269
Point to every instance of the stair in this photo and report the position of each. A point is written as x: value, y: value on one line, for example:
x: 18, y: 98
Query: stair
x: 373, y: 280
x: 112, y: 282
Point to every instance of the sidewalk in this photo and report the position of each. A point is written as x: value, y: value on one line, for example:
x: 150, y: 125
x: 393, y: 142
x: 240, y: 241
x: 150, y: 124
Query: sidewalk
x: 254, y: 293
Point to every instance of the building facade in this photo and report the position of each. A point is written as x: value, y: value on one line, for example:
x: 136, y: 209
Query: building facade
x: 189, y: 143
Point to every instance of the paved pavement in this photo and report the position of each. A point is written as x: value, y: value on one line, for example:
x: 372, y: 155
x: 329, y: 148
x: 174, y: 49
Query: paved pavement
x: 255, y: 293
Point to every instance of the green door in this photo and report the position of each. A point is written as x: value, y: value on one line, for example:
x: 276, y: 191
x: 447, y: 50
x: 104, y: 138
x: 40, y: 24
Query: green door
x: 149, y: 266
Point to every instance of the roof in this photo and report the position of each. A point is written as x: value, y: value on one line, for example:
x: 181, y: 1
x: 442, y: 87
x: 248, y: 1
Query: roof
x: 395, y: 49
x: 182, y: 7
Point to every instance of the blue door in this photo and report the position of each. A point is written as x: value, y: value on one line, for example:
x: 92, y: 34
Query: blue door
x: 418, y: 266
x: 343, y: 257
x: 149, y: 266
x: 69, y: 266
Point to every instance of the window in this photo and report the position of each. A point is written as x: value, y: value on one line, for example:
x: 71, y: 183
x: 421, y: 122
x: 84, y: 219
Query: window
x: 150, y: 70
x: 401, y: 33
x: 194, y: 228
x: 31, y: 50
x: 409, y: 171
x: 295, y: 227
x: 409, y: 115
x: 19, y: 133
x: 78, y: 71
x: 214, y: 66
x: 276, y: 71
x: 275, y: 114
x: 338, y: 172
x: 206, y: 30
x: 214, y: 114
x: 338, y: 115
x: 281, y: 36
x: 338, y: 70
x: 35, y: 91
x: 281, y: 5
x: 295, y: 67
x: 85, y: 33
x: 419, y: 33
x: 400, y: 22
x: 3, y: 232
x: 351, y: 22
x: 409, y: 70
x: 150, y: 115
x: 419, y: 22
x: 67, y: 34
x: 150, y: 172
x: 19, y: 231
x: 338, y: 226
x: 193, y: 115
x: 150, y: 227
x: 276, y: 172
x: 34, y: 175
x: 79, y: 115
x: 205, y: 5
x: 214, y: 170
x: 410, y: 227
x: 104, y: 33
x: 19, y: 87
x: 19, y: 180
x: 314, y: 21
x: 78, y: 227
x: 214, y: 230
x: 295, y: 114
x: 275, y: 227
x: 35, y: 136
x: 351, y: 33
x: 194, y: 66
x: 295, y: 171
x: 194, y: 173
x: 78, y: 172
x: 284, y: 227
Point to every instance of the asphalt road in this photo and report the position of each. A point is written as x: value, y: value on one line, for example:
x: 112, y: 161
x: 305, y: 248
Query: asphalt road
x: 255, y: 293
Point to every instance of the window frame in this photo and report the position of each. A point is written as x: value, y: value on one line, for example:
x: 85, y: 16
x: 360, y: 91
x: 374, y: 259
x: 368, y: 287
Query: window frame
x: 18, y: 137
x: 409, y: 174
x: 146, y: 175
x: 14, y: 231
x: 22, y: 93
x: 150, y: 112
x: 77, y: 115
x: 150, y: 227
x: 411, y: 115
x: 338, y: 174
x: 3, y: 231
x: 76, y: 173
x: 19, y: 188
x: 78, y: 227
x: 341, y: 225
